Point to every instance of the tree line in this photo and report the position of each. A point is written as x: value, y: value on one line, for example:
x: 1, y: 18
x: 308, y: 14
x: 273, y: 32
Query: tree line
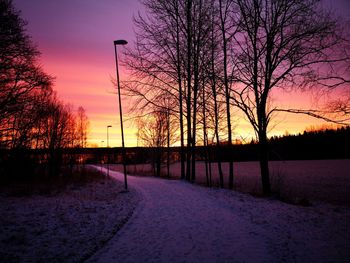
x: 313, y: 144
x: 202, y: 60
x: 31, y: 115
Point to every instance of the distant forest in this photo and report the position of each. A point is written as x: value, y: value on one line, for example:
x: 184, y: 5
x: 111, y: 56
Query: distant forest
x: 320, y: 144
x: 323, y: 144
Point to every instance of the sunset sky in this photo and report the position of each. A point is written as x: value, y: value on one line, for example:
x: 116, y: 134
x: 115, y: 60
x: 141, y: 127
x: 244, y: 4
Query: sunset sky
x: 75, y: 38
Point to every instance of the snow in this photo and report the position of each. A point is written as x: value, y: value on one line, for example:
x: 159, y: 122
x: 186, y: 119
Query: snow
x: 174, y: 221
x: 66, y: 227
x: 180, y: 222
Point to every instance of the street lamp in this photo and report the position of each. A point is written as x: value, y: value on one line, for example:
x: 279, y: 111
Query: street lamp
x: 102, y: 156
x: 116, y: 43
x: 109, y: 126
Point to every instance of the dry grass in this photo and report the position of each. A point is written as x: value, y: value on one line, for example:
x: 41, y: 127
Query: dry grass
x: 48, y: 185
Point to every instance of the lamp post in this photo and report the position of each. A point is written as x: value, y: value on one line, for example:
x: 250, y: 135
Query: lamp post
x: 109, y: 126
x: 102, y: 156
x: 116, y: 43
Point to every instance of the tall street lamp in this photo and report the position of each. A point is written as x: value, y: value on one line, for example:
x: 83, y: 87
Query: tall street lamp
x: 109, y: 126
x: 116, y: 43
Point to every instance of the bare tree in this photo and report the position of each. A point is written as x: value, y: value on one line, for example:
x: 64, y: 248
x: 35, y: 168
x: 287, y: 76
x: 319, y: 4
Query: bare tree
x: 168, y: 63
x: 59, y: 132
x: 20, y: 74
x: 82, y: 127
x: 157, y: 63
x: 186, y: 47
x: 213, y: 80
x: 155, y: 131
x: 21, y: 80
x: 281, y: 44
x: 31, y: 116
x: 228, y: 27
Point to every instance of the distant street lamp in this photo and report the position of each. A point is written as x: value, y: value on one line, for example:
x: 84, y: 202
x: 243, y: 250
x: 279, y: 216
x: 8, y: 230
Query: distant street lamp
x: 109, y: 126
x: 102, y: 155
x: 121, y: 42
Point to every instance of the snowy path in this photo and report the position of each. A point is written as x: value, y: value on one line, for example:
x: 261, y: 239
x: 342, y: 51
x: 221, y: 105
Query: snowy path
x: 177, y: 223
x: 180, y: 222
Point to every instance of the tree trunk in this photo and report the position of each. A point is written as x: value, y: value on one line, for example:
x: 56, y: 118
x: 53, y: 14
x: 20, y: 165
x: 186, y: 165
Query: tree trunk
x: 205, y: 139
x: 193, y: 144
x: 227, y: 94
x: 216, y: 113
x: 196, y: 61
x: 168, y: 142
x: 189, y: 87
x: 159, y: 160
x: 209, y: 162
x: 264, y: 163
x: 182, y: 151
x: 218, y: 146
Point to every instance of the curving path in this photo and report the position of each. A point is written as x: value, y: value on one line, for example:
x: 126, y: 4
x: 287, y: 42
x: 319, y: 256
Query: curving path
x: 179, y: 222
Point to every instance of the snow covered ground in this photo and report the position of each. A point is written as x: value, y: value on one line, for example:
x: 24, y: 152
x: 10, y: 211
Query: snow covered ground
x: 66, y: 227
x: 179, y: 222
x: 174, y: 221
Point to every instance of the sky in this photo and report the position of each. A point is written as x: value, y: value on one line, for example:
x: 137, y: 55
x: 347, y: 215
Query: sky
x: 75, y: 38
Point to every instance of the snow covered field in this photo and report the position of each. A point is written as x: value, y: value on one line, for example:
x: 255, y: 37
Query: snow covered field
x: 325, y: 180
x: 67, y: 227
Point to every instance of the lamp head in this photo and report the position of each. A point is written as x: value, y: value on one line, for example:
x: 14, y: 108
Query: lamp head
x: 109, y: 126
x: 120, y: 42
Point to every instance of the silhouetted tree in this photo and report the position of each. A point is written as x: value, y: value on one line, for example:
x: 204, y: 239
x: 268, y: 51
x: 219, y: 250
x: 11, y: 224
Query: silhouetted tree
x: 168, y: 62
x: 228, y: 27
x: 157, y: 62
x: 82, y: 127
x: 161, y: 63
x: 31, y: 116
x: 155, y: 130
x: 214, y: 84
x: 234, y: 54
x: 20, y: 75
x: 281, y: 44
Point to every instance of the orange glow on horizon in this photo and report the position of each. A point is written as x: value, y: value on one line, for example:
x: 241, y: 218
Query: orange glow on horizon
x: 90, y: 86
